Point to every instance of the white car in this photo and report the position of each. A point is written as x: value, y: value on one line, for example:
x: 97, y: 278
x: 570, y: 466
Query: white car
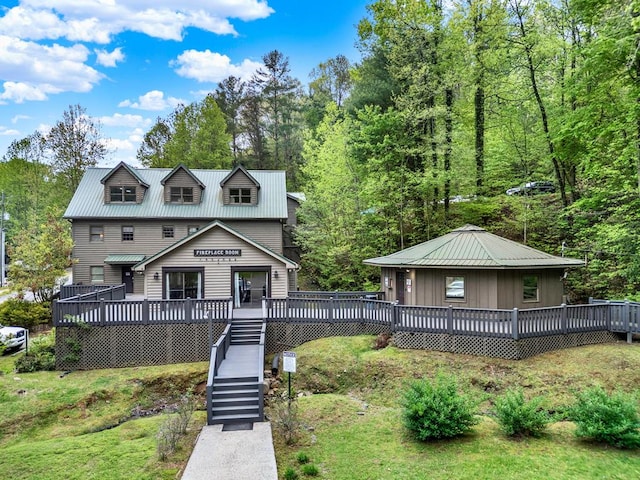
x: 13, y: 337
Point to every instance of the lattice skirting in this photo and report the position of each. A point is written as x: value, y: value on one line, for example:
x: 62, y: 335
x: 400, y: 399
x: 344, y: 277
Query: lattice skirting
x: 79, y: 348
x: 282, y: 336
x: 498, y: 347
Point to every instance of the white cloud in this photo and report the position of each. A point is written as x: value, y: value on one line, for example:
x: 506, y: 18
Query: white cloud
x: 16, y: 118
x: 208, y: 66
x: 109, y: 59
x: 127, y: 120
x: 4, y: 131
x: 153, y: 100
x: 98, y: 20
x: 34, y: 71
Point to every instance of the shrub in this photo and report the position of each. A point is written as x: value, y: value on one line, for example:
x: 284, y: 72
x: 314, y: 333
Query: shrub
x: 22, y: 313
x: 516, y: 416
x: 435, y: 409
x: 41, y: 355
x: 302, y: 458
x: 174, y: 427
x: 611, y: 419
x: 310, y: 470
x: 285, y: 420
x: 290, y: 474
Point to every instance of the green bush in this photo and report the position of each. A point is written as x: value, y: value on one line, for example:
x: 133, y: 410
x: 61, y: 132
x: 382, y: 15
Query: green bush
x: 41, y: 355
x: 22, y: 313
x: 310, y: 470
x: 435, y: 409
x: 611, y: 419
x: 302, y: 458
x: 516, y: 416
x: 290, y: 474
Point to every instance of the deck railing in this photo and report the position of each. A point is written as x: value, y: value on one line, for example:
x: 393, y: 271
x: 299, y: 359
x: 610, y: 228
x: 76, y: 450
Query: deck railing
x: 218, y: 354
x: 619, y: 317
x: 139, y: 312
x: 92, y: 292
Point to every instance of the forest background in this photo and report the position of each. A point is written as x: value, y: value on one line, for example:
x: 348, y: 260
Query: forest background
x: 452, y: 104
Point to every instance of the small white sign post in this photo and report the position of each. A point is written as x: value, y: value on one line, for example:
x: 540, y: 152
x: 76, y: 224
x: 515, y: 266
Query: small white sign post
x: 289, y: 366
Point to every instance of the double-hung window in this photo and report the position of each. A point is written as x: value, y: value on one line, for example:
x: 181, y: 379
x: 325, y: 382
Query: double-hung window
x: 127, y: 233
x: 168, y: 231
x: 97, y: 274
x: 530, y: 290
x: 96, y: 233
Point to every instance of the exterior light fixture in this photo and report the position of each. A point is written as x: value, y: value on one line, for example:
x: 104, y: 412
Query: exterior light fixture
x: 156, y: 276
x: 275, y: 274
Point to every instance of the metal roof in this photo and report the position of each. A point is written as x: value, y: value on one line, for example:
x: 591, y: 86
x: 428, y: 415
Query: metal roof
x: 121, y: 259
x: 88, y: 200
x: 472, y: 247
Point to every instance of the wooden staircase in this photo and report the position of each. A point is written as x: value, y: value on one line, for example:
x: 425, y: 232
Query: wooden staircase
x: 236, y: 393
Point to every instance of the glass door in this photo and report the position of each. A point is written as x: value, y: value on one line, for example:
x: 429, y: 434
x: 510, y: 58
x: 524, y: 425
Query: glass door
x: 249, y: 288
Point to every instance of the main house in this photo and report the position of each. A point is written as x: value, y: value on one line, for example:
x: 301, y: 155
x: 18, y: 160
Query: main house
x: 181, y: 233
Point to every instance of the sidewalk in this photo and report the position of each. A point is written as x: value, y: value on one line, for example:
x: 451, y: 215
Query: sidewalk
x: 233, y: 455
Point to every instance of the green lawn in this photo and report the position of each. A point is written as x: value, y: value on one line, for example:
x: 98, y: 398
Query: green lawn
x: 83, y: 425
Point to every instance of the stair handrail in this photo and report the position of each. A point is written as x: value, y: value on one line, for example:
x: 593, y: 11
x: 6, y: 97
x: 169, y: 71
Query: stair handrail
x: 218, y: 354
x: 263, y: 332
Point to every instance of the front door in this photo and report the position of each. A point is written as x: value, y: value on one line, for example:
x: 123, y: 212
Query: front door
x: 400, y: 280
x: 127, y: 278
x: 249, y: 287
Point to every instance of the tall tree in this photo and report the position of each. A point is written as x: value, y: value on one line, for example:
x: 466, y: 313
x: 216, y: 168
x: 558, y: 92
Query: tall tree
x: 194, y: 135
x: 278, y: 89
x: 76, y: 143
x: 332, y: 79
x: 230, y: 95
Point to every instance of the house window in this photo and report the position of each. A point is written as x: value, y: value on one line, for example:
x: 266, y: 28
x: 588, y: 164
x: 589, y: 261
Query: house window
x: 192, y: 229
x: 454, y: 288
x: 181, y: 285
x: 122, y: 194
x: 127, y: 233
x: 97, y: 274
x: 167, y: 231
x: 240, y: 195
x: 181, y: 195
x: 96, y: 233
x: 530, y: 291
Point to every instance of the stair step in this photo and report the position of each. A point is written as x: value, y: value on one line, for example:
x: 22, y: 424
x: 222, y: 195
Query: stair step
x: 222, y: 394
x: 235, y: 401
x: 236, y: 410
x: 251, y: 378
x: 235, y: 418
x: 218, y: 387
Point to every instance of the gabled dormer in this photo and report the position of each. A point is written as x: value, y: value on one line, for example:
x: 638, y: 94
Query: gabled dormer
x: 181, y: 186
x: 123, y: 185
x: 239, y: 188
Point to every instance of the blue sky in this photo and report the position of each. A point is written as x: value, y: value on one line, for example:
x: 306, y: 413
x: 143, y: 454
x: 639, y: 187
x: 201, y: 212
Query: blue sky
x: 129, y: 61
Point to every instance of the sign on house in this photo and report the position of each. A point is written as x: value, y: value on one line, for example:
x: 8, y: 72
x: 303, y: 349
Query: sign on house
x: 222, y: 252
x: 289, y: 362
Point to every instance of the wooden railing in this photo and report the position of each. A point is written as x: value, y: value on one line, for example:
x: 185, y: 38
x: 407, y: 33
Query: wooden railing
x: 218, y: 354
x: 92, y: 292
x: 619, y: 317
x: 261, y: 349
x: 140, y: 312
x: 327, y: 295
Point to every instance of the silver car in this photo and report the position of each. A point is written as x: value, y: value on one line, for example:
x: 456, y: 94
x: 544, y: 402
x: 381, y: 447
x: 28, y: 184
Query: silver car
x: 13, y: 337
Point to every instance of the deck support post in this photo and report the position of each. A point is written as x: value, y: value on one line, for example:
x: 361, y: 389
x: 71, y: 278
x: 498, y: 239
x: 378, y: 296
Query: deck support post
x: 514, y: 324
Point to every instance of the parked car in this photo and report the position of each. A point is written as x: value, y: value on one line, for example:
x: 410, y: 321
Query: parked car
x: 531, y: 188
x: 13, y: 337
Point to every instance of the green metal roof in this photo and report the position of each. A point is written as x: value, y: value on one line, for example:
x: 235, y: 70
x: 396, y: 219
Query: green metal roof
x: 472, y: 247
x: 123, y: 259
x: 88, y: 200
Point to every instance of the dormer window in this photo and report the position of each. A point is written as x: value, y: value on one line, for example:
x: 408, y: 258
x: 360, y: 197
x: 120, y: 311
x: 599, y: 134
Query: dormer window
x: 181, y: 195
x: 240, y: 195
x: 122, y: 193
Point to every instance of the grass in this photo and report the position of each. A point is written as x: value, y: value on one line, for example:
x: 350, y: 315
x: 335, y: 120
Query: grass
x: 354, y: 430
x: 102, y: 424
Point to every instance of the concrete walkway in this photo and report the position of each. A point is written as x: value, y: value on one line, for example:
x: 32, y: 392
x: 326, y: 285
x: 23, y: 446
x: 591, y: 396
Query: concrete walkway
x: 233, y: 455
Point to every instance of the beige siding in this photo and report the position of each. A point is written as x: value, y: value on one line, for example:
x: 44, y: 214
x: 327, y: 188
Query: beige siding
x: 267, y: 233
x: 182, y: 179
x: 122, y: 178
x: 240, y: 180
x: 217, y: 271
x: 550, y: 288
x: 292, y: 210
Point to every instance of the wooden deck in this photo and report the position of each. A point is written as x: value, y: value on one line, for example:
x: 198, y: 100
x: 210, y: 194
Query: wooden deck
x: 240, y: 362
